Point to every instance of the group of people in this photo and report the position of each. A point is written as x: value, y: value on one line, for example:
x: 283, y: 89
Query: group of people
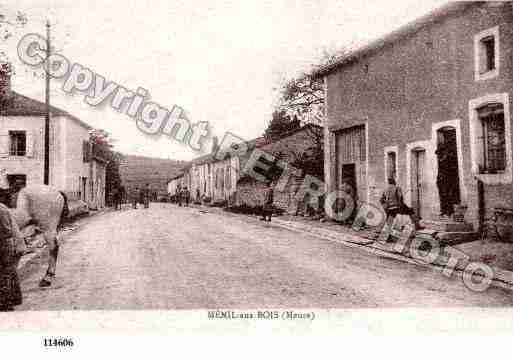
x: 141, y: 196
x: 183, y: 196
x: 136, y: 196
x: 392, y: 201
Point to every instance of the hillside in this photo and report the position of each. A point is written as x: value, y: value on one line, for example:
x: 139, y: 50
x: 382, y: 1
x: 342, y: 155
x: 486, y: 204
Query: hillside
x: 136, y: 171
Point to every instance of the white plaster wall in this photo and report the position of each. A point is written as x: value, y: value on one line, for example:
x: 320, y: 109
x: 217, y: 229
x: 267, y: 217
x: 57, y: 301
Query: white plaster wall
x: 73, y: 165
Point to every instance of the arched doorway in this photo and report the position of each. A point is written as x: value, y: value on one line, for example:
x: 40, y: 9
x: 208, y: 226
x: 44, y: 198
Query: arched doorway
x: 447, y: 179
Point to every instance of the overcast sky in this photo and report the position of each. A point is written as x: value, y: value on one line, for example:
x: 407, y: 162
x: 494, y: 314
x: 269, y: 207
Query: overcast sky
x: 219, y: 60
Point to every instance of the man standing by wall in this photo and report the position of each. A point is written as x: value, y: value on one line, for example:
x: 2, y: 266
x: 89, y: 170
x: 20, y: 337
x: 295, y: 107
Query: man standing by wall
x: 134, y: 197
x: 267, y: 207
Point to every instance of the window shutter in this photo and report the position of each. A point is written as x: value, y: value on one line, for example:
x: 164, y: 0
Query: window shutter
x: 30, y: 145
x: 4, y: 145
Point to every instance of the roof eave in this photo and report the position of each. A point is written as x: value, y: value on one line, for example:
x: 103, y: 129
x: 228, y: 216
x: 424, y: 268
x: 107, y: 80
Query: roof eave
x: 401, y: 33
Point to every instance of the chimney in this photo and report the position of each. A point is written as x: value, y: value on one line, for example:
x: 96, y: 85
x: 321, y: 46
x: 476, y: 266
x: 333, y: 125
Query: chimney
x: 5, y: 80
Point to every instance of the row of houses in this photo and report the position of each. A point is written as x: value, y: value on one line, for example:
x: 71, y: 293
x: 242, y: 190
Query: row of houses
x: 427, y: 105
x: 225, y: 181
x: 73, y: 165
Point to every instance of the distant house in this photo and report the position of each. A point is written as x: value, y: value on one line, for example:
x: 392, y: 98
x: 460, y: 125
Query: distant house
x: 174, y: 183
x: 216, y: 179
x: 73, y: 167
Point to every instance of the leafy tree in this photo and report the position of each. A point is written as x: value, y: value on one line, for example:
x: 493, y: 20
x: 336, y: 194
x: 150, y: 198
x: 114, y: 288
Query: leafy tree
x: 300, y: 102
x: 280, y: 124
x: 101, y: 146
x: 302, y: 97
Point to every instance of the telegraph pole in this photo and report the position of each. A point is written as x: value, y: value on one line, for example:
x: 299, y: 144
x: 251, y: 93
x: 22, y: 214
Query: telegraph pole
x: 47, y: 114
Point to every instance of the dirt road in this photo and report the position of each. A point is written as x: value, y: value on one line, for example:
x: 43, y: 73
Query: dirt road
x: 169, y: 257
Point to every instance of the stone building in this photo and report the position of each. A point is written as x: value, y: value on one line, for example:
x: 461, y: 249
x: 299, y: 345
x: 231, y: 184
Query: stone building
x: 73, y: 167
x: 294, y: 145
x: 428, y: 104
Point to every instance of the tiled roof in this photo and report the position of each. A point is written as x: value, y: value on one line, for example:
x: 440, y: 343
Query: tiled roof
x: 401, y: 33
x: 16, y: 104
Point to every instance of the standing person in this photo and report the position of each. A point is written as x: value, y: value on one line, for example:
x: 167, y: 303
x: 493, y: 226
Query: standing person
x: 393, y: 204
x: 11, y: 247
x: 134, y: 197
x: 146, y: 196
x: 122, y: 196
x: 187, y: 195
x: 267, y: 207
x: 115, y: 197
x: 179, y: 195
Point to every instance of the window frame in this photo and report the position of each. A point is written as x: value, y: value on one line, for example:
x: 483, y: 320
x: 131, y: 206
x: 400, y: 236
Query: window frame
x: 485, y: 120
x: 12, y: 135
x: 480, y: 51
x: 476, y: 145
x: 386, y: 151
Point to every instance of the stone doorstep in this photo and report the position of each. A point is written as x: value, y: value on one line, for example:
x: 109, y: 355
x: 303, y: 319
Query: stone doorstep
x: 448, y: 238
x: 455, y: 238
x: 446, y: 226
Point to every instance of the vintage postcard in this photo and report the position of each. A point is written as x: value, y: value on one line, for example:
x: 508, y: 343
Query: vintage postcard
x: 255, y: 166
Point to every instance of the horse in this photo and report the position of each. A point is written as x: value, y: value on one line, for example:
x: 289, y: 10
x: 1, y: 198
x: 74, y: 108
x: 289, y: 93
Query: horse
x: 46, y: 207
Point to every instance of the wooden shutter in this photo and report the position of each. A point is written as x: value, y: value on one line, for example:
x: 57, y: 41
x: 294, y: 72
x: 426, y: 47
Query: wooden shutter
x: 29, y: 149
x: 4, y: 145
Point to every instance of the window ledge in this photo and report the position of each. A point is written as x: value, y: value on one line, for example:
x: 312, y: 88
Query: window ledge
x: 495, y: 178
x: 487, y: 75
x: 14, y: 157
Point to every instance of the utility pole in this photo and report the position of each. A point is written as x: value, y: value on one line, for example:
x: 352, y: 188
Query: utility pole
x: 47, y: 115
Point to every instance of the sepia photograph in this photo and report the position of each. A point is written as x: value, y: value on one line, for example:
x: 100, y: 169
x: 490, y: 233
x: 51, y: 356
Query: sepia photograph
x: 256, y: 166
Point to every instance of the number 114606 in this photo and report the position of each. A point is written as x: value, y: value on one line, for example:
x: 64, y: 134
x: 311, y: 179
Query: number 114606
x: 58, y: 342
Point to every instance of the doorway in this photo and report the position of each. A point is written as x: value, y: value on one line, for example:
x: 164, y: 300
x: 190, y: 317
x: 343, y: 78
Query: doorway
x: 418, y: 180
x: 17, y: 181
x: 348, y: 178
x: 447, y: 179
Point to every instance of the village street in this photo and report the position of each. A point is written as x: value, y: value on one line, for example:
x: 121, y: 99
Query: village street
x: 170, y: 257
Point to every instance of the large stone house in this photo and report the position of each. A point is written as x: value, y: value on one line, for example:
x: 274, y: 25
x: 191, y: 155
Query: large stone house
x: 429, y: 105
x: 73, y: 166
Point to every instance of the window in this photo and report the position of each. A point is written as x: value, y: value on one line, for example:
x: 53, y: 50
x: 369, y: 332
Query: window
x: 391, y: 165
x: 486, y: 54
x: 86, y: 151
x: 18, y: 143
x: 488, y: 48
x: 493, y: 138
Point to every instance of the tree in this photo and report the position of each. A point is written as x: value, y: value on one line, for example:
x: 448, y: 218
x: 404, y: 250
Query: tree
x: 302, y: 97
x: 280, y: 124
x: 101, y: 146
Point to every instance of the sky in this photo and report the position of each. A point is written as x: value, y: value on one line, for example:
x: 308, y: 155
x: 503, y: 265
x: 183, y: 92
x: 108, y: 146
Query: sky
x: 221, y: 61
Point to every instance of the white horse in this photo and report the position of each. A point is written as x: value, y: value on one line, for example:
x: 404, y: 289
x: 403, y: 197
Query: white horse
x: 45, y: 206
